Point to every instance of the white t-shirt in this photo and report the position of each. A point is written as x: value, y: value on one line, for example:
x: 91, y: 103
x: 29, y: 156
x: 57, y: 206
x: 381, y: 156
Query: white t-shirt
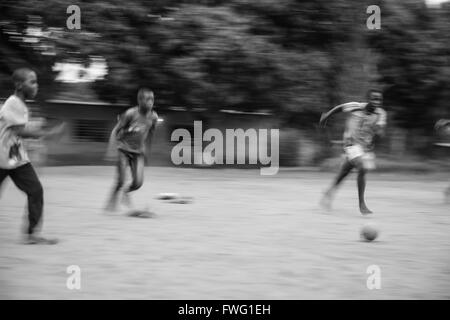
x: 14, y: 114
x: 360, y: 126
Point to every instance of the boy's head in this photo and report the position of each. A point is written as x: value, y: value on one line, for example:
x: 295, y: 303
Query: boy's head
x: 375, y: 98
x: 145, y: 98
x: 25, y: 81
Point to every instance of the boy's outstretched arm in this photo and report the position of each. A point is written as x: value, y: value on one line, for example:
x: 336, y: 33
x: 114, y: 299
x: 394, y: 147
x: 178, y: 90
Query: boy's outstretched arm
x: 36, y: 132
x: 345, y: 107
x: 324, y: 117
x: 441, y: 123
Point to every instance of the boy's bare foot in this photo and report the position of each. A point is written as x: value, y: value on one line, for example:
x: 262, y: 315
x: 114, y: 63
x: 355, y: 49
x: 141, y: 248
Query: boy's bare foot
x: 33, y: 239
x: 326, y: 200
x: 126, y: 200
x: 146, y: 214
x: 111, y: 206
x: 363, y: 209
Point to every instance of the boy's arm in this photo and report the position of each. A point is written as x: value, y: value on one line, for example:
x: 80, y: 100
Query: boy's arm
x: 112, y: 143
x: 15, y: 115
x: 122, y: 121
x: 155, y: 123
x: 151, y: 132
x: 26, y: 132
x: 153, y: 127
x: 346, y: 107
x: 441, y: 123
x: 380, y: 126
x: 36, y: 131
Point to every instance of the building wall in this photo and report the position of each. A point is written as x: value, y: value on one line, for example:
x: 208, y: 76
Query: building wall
x: 89, y: 125
x: 88, y: 144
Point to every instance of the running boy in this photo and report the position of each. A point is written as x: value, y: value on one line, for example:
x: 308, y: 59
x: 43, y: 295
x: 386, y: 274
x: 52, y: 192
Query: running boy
x: 129, y: 137
x: 364, y: 122
x: 14, y: 161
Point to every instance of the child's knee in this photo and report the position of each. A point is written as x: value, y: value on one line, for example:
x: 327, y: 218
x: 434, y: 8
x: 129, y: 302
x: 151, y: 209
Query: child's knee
x: 120, y: 182
x: 362, y: 171
x: 137, y: 184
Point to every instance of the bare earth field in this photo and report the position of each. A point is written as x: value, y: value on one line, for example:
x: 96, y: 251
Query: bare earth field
x: 244, y: 236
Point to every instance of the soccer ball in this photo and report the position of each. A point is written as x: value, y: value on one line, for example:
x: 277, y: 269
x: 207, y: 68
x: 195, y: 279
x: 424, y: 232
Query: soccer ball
x: 369, y: 232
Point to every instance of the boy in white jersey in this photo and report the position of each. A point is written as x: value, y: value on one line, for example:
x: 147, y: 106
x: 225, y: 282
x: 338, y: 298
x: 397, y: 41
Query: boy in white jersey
x: 364, y: 122
x: 129, y: 137
x: 14, y: 160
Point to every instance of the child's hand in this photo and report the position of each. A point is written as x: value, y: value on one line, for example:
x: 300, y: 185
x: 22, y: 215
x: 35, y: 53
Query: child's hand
x: 441, y: 123
x: 323, y: 120
x: 56, y: 131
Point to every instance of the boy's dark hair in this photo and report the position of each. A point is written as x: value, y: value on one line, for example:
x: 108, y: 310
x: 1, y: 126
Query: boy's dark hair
x: 370, y: 91
x: 20, y: 75
x: 141, y: 91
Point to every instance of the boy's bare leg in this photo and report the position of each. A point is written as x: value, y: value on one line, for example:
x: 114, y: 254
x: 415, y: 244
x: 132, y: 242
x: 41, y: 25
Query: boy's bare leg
x: 120, y: 179
x: 327, y: 198
x: 137, y: 176
x: 361, y: 190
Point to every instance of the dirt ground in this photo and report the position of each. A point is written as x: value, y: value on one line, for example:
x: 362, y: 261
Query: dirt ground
x: 244, y: 236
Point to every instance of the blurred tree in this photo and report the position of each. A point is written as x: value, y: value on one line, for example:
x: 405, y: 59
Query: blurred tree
x: 20, y: 46
x: 108, y: 28
x: 216, y: 54
x: 221, y: 63
x: 414, y: 61
x: 286, y: 56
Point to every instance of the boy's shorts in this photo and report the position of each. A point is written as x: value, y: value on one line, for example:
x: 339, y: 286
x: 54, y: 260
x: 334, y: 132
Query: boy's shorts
x: 357, y: 152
